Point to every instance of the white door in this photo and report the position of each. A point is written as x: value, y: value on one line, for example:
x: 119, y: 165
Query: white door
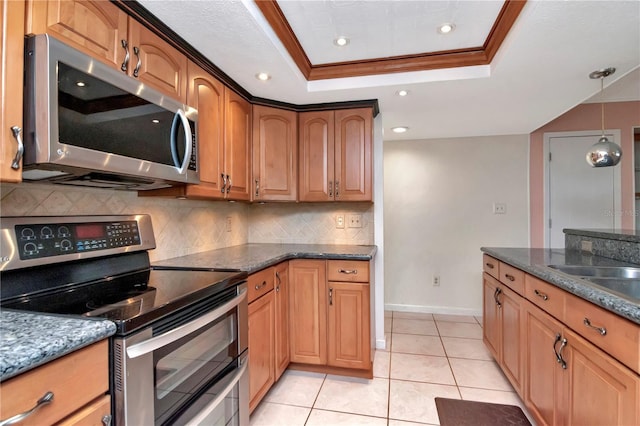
x: 578, y: 195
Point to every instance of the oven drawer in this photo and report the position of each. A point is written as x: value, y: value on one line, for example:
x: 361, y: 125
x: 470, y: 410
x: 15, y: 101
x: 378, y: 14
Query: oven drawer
x: 260, y: 283
x: 75, y: 380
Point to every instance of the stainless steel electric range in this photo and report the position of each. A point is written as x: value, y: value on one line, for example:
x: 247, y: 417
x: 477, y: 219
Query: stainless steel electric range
x: 179, y: 352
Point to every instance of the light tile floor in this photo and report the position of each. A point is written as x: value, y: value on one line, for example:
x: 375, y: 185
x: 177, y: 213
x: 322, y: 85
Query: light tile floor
x: 427, y: 356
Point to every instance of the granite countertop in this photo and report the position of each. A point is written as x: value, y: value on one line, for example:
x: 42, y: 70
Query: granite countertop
x: 535, y: 262
x: 253, y: 257
x: 29, y: 339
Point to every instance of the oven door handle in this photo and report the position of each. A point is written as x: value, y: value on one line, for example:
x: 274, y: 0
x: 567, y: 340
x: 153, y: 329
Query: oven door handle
x: 202, y: 415
x: 169, y: 337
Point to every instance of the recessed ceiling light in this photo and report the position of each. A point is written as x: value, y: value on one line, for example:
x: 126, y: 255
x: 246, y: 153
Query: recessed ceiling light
x: 341, y: 41
x: 263, y: 76
x: 155, y: 121
x: 400, y: 129
x: 80, y: 83
x: 402, y: 92
x: 446, y: 28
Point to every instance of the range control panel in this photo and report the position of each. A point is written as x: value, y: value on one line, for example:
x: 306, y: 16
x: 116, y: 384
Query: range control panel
x: 42, y: 240
x: 36, y: 241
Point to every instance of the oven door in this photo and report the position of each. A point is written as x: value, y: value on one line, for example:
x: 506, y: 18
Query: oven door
x: 164, y: 372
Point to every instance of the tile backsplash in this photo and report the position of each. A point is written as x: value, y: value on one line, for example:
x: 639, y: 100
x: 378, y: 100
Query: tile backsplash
x: 184, y: 227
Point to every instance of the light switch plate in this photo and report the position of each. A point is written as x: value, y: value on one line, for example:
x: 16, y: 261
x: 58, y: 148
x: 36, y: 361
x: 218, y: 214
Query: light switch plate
x: 340, y: 221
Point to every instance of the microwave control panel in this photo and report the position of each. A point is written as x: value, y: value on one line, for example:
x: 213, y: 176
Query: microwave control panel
x: 37, y: 241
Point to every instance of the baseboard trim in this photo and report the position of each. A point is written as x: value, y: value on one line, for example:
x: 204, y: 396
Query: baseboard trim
x: 432, y: 310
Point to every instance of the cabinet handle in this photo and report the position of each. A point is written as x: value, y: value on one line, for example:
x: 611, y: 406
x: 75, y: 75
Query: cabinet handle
x: 510, y: 277
x: 489, y: 265
x: 279, y: 281
x: 541, y: 295
x: 560, y: 359
x: 330, y: 296
x: 337, y: 189
x: 136, y: 70
x: 106, y: 420
x: 258, y: 190
x: 46, y: 399
x: 600, y: 330
x: 228, y: 184
x: 330, y: 189
x: 125, y: 63
x: 348, y: 271
x: 259, y: 286
x: 224, y: 183
x: 16, y: 160
x: 495, y: 296
x: 555, y: 342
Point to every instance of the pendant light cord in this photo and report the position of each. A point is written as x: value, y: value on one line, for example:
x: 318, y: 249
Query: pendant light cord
x: 602, y: 102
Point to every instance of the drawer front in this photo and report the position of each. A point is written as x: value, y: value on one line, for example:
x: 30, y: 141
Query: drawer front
x: 490, y: 266
x: 545, y: 295
x: 617, y: 336
x: 75, y: 380
x: 260, y: 283
x: 356, y: 271
x: 94, y: 413
x: 512, y: 277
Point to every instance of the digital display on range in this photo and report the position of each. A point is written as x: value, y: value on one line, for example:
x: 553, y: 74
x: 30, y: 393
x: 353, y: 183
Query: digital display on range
x: 90, y: 231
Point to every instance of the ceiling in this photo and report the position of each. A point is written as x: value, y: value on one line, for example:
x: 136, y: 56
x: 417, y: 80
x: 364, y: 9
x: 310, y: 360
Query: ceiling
x: 539, y: 71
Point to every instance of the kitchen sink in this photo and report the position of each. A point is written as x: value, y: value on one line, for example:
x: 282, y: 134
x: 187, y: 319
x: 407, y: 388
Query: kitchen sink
x: 613, y: 272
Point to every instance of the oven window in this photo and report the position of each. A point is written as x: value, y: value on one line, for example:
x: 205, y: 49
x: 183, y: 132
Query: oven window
x: 190, y: 365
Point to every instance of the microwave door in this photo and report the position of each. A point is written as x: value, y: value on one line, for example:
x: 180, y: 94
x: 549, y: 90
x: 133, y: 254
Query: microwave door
x: 174, y: 141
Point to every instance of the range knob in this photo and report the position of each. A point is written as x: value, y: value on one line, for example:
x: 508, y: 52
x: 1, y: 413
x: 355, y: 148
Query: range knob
x: 28, y: 234
x: 46, y: 233
x: 63, y: 231
x: 30, y: 248
x: 65, y: 245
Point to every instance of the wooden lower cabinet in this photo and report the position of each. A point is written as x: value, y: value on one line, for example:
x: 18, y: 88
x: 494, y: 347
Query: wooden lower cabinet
x: 282, y: 357
x: 261, y: 347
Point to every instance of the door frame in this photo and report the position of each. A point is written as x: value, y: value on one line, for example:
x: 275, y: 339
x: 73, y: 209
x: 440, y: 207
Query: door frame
x: 617, y: 195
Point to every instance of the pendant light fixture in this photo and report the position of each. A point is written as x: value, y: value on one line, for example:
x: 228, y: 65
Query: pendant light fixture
x: 603, y: 153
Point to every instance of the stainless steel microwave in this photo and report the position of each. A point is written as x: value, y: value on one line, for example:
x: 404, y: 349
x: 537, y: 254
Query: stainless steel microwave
x: 88, y: 124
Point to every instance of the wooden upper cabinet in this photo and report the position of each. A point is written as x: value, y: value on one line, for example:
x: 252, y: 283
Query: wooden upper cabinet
x: 157, y: 63
x: 94, y: 27
x: 353, y: 160
x: 316, y: 143
x: 102, y: 30
x: 12, y: 47
x: 275, y: 137
x: 237, y: 140
x: 335, y: 159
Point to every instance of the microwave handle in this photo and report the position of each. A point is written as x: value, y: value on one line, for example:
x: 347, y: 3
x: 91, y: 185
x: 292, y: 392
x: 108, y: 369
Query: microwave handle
x: 187, y: 138
x: 169, y: 337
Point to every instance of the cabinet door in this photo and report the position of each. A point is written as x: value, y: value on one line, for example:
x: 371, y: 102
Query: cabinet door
x: 94, y: 27
x: 237, y: 145
x: 275, y: 154
x: 282, y: 317
x: 543, y: 382
x: 261, y: 348
x: 93, y: 413
x: 158, y: 64
x: 353, y: 159
x: 512, y: 359
x: 349, y: 341
x: 12, y: 42
x: 600, y: 390
x: 308, y: 311
x: 206, y: 94
x: 491, y: 315
x: 316, y: 156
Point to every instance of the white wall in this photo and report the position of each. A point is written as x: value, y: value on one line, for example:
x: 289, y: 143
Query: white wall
x: 438, y: 212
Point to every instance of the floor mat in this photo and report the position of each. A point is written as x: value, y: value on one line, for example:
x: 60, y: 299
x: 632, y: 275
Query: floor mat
x: 457, y: 412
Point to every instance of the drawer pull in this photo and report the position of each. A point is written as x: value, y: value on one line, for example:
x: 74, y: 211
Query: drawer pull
x: 541, y: 295
x: 106, y: 420
x: 46, y: 399
x: 600, y: 330
x: 259, y: 286
x: 489, y: 265
x: 510, y: 277
x: 348, y: 271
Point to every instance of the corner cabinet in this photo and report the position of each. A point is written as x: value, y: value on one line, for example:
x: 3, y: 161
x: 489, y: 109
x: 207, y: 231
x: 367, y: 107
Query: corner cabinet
x: 335, y: 155
x: 105, y: 32
x: 275, y: 154
x: 12, y: 42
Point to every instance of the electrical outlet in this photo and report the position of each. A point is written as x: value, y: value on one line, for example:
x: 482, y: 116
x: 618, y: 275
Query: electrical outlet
x: 499, y: 208
x: 340, y: 221
x: 354, y: 220
x: 586, y: 246
x: 436, y: 280
x: 228, y: 224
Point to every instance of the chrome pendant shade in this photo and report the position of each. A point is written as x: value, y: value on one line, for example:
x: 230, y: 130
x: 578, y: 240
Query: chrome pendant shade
x: 603, y: 153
